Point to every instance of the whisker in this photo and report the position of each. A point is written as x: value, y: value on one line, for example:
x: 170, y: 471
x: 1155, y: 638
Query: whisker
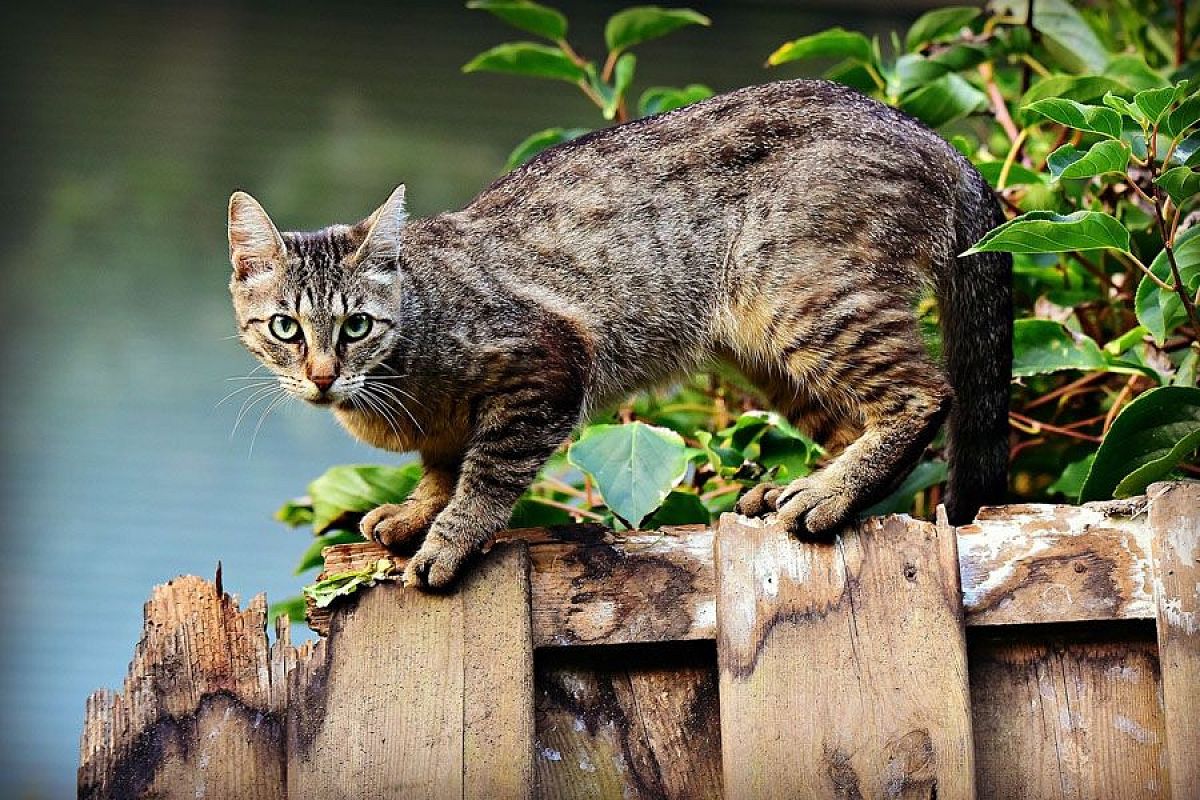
x: 383, y: 396
x: 283, y: 396
x: 263, y: 382
x: 249, y: 403
x: 377, y: 407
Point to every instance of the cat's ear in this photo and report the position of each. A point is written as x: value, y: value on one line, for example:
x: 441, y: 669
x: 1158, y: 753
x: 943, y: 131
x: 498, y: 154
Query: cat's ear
x: 255, y: 246
x: 381, y: 232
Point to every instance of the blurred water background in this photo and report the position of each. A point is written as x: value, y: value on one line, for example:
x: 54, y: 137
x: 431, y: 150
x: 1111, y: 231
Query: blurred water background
x: 126, y: 128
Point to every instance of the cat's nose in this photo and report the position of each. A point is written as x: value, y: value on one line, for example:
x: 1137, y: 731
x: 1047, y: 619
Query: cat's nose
x: 323, y: 382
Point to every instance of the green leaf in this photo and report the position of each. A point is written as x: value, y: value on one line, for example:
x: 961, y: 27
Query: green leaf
x: 296, y: 512
x: 1110, y: 155
x: 1017, y: 174
x: 1181, y: 183
x: 939, y: 24
x: 622, y: 77
x: 542, y: 140
x: 312, y: 554
x: 529, y: 513
x: 1070, y: 482
x: 1133, y: 71
x: 527, y: 58
x: 356, y: 489
x: 643, y: 23
x: 340, y: 584
x: 832, y: 43
x: 944, y: 100
x: 527, y: 16
x: 660, y: 99
x: 1067, y: 36
x: 1082, y: 89
x: 1161, y: 310
x: 1153, y: 103
x: 294, y: 608
x: 1096, y: 119
x: 1189, y: 365
x: 1120, y: 104
x: 900, y: 501
x: 1148, y: 439
x: 1042, y: 346
x: 1183, y: 117
x: 1047, y: 232
x: 680, y: 508
x: 634, y: 466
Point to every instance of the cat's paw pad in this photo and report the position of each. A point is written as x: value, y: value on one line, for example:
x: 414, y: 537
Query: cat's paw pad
x: 811, y: 510
x: 436, y: 564
x: 395, y: 525
x: 759, y: 501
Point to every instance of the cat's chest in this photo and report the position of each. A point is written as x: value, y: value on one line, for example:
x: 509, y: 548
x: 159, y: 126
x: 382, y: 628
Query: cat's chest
x: 383, y: 430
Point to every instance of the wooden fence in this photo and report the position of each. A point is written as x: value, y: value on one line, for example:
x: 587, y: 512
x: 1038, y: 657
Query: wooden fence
x: 1042, y: 652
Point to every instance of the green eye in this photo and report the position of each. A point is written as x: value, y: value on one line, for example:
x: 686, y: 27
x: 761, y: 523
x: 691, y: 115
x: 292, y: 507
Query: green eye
x: 285, y: 328
x: 356, y: 327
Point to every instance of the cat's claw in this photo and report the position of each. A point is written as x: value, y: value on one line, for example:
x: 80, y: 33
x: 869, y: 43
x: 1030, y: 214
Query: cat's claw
x: 436, y: 564
x: 810, y: 510
x: 756, y: 502
x: 394, y: 525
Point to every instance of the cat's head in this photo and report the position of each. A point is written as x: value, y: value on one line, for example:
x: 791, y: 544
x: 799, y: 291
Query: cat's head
x: 318, y: 309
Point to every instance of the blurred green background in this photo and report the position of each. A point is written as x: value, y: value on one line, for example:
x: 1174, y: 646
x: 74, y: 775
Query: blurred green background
x: 126, y: 128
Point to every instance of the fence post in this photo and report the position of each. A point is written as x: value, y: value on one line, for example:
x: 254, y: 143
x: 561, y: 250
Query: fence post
x: 842, y: 665
x: 420, y: 695
x: 1176, y: 527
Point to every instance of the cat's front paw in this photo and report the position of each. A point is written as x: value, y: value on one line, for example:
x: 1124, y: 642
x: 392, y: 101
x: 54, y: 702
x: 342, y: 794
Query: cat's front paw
x: 396, y: 525
x: 759, y: 500
x: 437, y: 563
x: 813, y: 508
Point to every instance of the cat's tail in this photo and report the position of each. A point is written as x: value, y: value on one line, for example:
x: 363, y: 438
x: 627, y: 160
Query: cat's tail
x: 977, y: 323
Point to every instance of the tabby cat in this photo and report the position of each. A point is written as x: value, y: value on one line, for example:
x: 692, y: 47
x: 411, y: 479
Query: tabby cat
x: 789, y: 229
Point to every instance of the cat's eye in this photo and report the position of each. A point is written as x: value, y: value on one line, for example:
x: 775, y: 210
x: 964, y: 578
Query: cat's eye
x: 285, y: 328
x: 356, y: 327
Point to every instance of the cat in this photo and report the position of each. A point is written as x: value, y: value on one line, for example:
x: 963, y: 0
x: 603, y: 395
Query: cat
x: 788, y: 228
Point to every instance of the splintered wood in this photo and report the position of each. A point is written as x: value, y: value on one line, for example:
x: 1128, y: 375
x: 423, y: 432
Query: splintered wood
x: 843, y: 665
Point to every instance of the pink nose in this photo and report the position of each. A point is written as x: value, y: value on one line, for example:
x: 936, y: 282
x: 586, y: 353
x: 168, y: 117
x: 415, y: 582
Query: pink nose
x: 323, y: 382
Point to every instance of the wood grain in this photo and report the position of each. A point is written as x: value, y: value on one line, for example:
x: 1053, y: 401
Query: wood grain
x: 1061, y: 717
x: 1017, y: 564
x: 202, y: 709
x: 842, y: 665
x: 629, y: 722
x: 1175, y: 520
x: 397, y: 703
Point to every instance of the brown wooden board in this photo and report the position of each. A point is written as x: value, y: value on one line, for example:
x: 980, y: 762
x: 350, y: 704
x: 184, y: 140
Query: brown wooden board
x: 202, y: 709
x: 411, y: 684
x: 1175, y: 520
x: 843, y: 665
x: 629, y: 722
x: 1071, y: 712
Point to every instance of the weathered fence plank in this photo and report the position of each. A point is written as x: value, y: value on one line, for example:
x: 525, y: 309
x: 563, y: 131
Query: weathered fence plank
x: 1175, y: 520
x: 406, y: 693
x: 1059, y: 718
x: 630, y: 722
x: 843, y: 666
x: 1029, y: 563
x: 202, y: 710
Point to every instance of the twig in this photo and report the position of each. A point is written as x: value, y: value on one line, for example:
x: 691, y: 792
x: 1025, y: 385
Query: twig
x: 1069, y: 388
x: 1033, y: 426
x: 997, y: 99
x: 574, y: 511
x: 1122, y: 397
x: 1011, y: 158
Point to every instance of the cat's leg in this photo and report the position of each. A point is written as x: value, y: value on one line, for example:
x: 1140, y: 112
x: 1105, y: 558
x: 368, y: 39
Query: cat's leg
x: 514, y: 437
x: 400, y: 525
x: 901, y: 397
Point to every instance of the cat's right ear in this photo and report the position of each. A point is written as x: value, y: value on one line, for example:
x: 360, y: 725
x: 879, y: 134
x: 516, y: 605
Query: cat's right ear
x: 255, y: 246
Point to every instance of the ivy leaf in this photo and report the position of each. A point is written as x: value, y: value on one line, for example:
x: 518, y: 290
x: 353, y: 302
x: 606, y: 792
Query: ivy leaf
x: 542, y: 140
x: 356, y: 489
x: 1181, y: 183
x: 528, y: 16
x: 944, y: 100
x: 660, y: 99
x: 1158, y: 309
x: 1096, y: 119
x: 622, y: 77
x: 900, y: 501
x: 1042, y: 346
x: 1110, y: 155
x: 939, y: 24
x: 1070, y: 482
x: 312, y: 554
x: 527, y: 58
x: 831, y: 43
x: 635, y: 466
x: 1047, y: 232
x: 340, y: 584
x: 643, y: 23
x: 1148, y: 439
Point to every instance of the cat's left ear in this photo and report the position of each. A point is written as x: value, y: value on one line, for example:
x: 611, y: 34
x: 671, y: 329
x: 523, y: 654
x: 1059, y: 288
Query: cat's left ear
x: 255, y: 246
x: 381, y: 232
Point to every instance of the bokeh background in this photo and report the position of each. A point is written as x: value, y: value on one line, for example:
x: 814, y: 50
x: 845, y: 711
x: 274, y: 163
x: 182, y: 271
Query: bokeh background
x: 126, y: 126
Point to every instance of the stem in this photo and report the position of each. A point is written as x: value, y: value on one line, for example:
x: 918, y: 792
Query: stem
x: 579, y: 60
x: 591, y: 94
x: 1030, y: 425
x: 1157, y: 281
x: 563, y: 486
x: 1036, y: 65
x: 996, y: 97
x: 1011, y: 159
x: 610, y: 64
x: 1069, y: 388
x: 1124, y: 395
x: 875, y: 76
x: 575, y: 511
x: 1185, y: 297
